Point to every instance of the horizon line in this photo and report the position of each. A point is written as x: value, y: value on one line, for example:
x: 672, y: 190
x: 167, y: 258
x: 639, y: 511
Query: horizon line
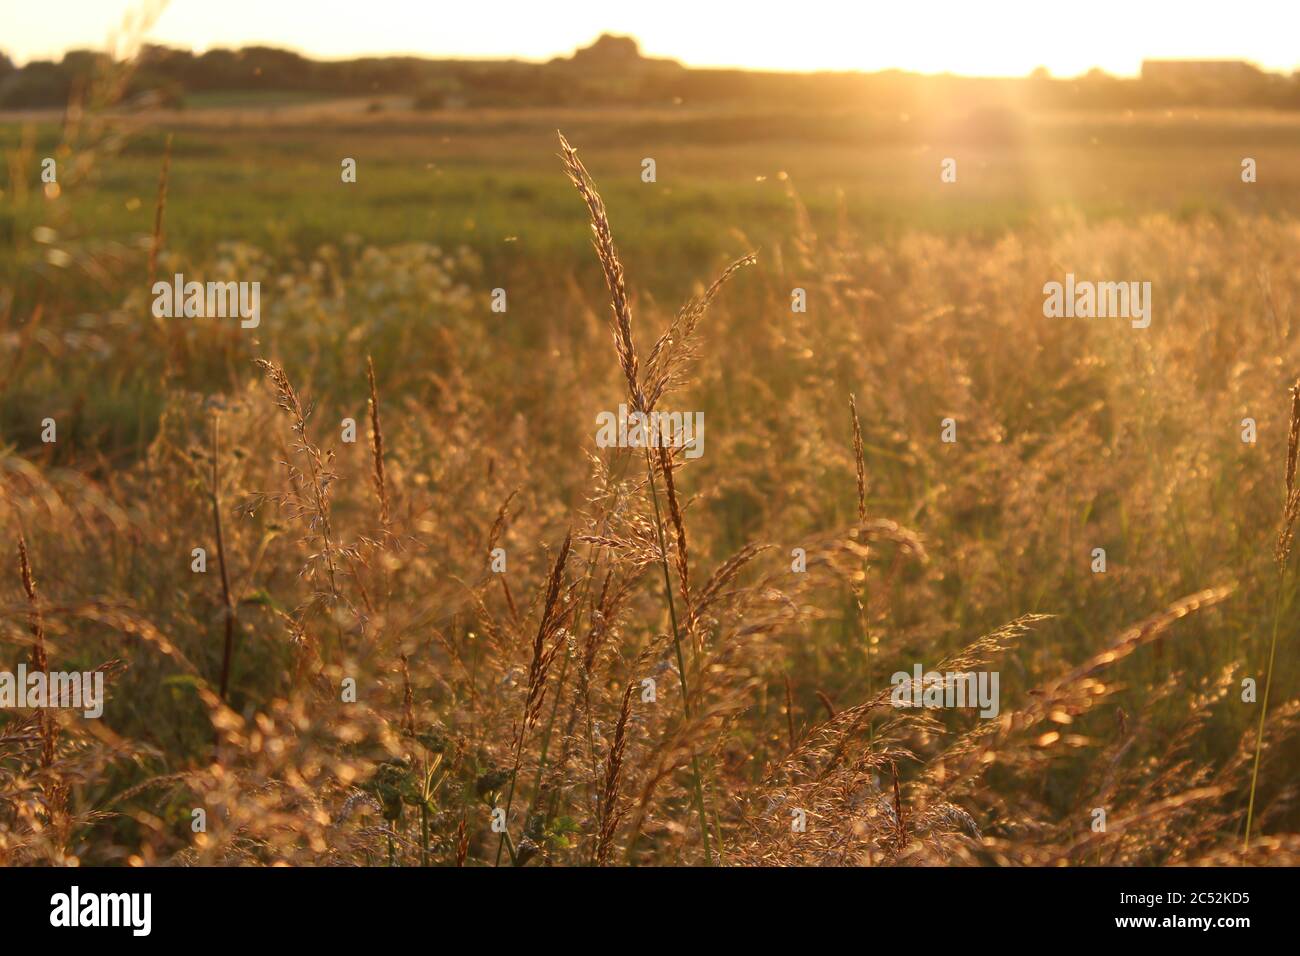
x: 542, y: 61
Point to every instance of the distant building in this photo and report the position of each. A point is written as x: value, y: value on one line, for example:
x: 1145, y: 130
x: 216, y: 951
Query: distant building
x: 608, y: 50
x: 611, y: 54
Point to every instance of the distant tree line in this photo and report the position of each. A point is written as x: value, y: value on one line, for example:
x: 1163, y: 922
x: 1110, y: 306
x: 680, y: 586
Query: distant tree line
x: 612, y: 72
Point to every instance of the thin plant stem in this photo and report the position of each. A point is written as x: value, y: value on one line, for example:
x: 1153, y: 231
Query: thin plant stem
x: 1263, y: 708
x: 229, y: 650
x: 681, y: 663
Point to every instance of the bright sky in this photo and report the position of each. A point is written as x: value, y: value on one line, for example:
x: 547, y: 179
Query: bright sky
x: 974, y: 37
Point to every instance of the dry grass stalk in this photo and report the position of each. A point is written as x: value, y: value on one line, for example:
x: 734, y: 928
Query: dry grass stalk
x: 56, y: 795
x: 610, y: 814
x: 544, y: 651
x: 900, y: 820
x: 696, y: 775
x: 663, y: 373
x: 494, y: 536
x: 319, y: 476
x: 613, y: 269
x: 408, y: 697
x: 228, y: 604
x: 160, y: 210
x: 861, y: 600
x: 553, y: 616
x: 1291, y: 503
x: 1290, y: 511
x: 377, y: 447
x: 679, y: 532
x: 827, y: 703
x: 858, y: 459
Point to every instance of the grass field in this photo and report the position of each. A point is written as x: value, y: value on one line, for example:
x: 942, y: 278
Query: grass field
x: 423, y: 176
x: 329, y: 561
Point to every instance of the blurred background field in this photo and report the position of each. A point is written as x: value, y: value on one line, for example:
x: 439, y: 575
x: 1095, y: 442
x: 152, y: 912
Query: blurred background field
x: 269, y: 176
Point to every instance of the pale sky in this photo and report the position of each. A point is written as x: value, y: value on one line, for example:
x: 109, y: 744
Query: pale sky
x: 974, y: 37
